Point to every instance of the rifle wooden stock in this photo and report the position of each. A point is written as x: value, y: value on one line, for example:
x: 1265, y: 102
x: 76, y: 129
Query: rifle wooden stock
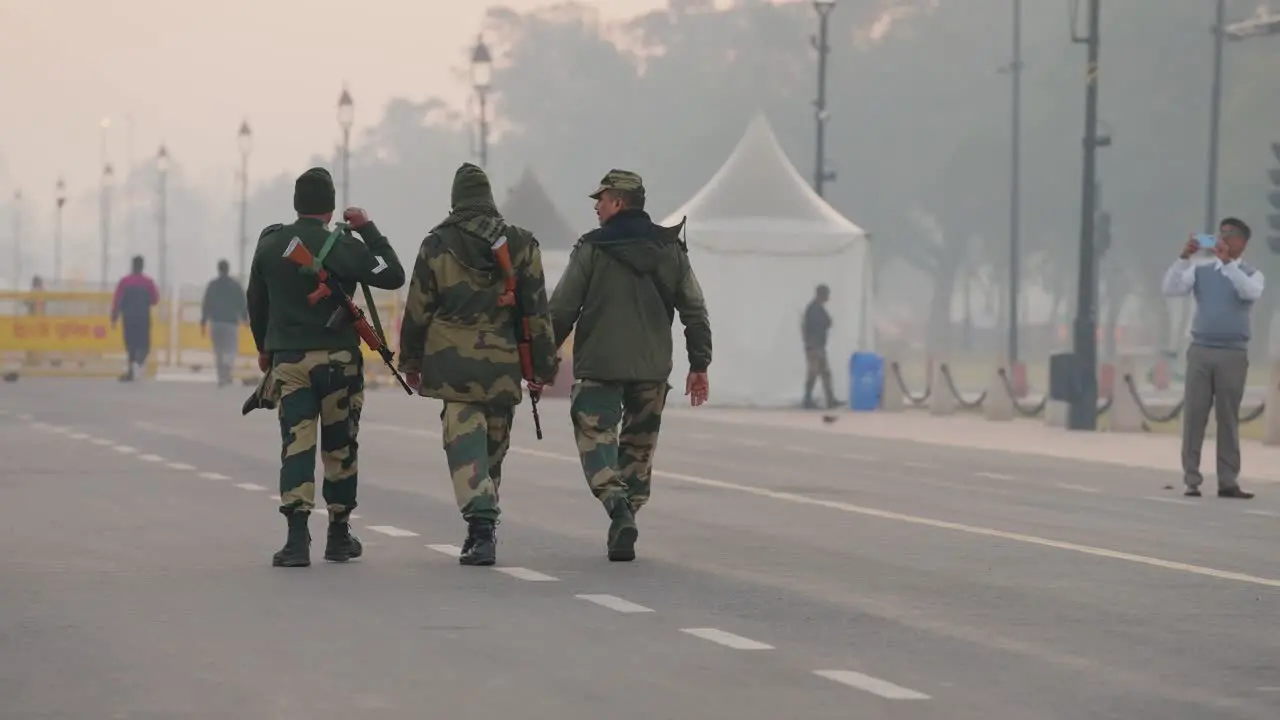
x: 524, y: 337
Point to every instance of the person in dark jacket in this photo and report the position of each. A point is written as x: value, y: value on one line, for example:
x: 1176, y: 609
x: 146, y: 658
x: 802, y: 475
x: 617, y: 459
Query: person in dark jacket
x: 224, y: 309
x: 135, y: 295
x: 813, y: 331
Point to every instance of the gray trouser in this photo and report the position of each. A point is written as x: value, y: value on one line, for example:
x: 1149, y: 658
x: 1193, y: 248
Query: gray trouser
x: 1215, y: 379
x: 226, y: 341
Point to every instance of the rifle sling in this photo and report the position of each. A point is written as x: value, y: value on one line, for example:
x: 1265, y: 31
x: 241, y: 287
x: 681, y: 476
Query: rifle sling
x: 372, y: 309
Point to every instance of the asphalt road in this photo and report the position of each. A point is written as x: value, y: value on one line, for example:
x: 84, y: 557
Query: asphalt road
x: 782, y: 574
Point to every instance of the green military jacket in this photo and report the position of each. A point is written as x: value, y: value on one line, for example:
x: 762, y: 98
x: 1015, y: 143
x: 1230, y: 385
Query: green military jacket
x: 455, y: 333
x: 279, y: 314
x: 623, y: 286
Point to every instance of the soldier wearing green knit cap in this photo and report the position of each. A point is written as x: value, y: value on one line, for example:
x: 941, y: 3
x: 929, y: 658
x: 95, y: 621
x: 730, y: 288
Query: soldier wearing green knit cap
x: 315, y: 374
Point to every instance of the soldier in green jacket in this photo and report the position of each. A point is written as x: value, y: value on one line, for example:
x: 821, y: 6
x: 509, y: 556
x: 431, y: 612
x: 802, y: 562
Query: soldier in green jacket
x: 622, y: 288
x: 315, y: 371
x: 458, y: 343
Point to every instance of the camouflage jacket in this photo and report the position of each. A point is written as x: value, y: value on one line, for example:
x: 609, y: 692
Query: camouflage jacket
x: 623, y: 286
x: 279, y: 314
x: 454, y: 332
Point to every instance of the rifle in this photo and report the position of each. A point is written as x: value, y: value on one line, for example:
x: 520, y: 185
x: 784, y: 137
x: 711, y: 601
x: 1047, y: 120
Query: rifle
x: 346, y: 310
x: 524, y: 337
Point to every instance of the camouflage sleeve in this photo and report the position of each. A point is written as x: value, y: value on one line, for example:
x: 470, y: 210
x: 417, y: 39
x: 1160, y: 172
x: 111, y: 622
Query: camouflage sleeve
x: 693, y: 315
x: 372, y: 262
x: 256, y: 300
x: 570, y: 292
x: 533, y: 298
x: 419, y: 307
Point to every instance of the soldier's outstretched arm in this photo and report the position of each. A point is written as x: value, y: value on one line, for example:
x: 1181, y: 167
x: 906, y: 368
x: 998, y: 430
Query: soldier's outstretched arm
x: 257, y: 303
x: 693, y: 315
x: 372, y: 262
x: 418, y: 309
x: 571, y: 291
x: 533, y: 291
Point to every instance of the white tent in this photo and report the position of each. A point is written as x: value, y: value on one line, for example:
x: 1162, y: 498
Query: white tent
x: 761, y: 240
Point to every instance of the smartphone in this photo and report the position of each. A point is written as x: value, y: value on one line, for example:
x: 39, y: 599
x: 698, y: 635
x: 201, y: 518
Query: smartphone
x: 1207, y: 242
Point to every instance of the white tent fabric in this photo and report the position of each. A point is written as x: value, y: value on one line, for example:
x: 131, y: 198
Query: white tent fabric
x: 761, y: 240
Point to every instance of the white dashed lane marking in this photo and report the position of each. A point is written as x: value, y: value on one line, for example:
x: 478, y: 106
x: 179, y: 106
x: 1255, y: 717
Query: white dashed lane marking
x: 99, y: 441
x: 526, y: 574
x: 213, y: 476
x: 615, y: 603
x: 1171, y: 501
x: 125, y: 449
x: 151, y: 458
x: 78, y: 436
x: 727, y: 639
x: 875, y: 686
x: 249, y: 486
x: 450, y: 550
x: 1077, y: 488
x: 920, y: 465
x: 23, y: 416
x: 181, y: 466
x: 1263, y: 513
x: 994, y: 476
x: 393, y: 531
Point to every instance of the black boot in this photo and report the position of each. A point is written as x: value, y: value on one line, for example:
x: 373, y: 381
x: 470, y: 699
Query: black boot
x: 481, y: 545
x: 622, y: 532
x: 342, y: 545
x: 297, y: 548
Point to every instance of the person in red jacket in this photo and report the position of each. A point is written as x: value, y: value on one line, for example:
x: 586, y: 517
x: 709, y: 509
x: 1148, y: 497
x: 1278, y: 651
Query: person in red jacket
x: 135, y: 295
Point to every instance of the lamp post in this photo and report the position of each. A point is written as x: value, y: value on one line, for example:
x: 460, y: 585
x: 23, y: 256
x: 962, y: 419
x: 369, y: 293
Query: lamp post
x: 481, y: 79
x: 162, y: 214
x: 1083, y: 414
x: 245, y: 140
x: 17, y: 239
x: 60, y: 200
x: 346, y: 118
x: 1015, y: 181
x: 820, y: 174
x: 104, y: 216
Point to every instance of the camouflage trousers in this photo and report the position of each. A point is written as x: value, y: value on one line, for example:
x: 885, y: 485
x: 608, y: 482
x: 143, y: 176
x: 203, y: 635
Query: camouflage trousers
x: 476, y: 439
x: 328, y: 386
x: 618, y: 465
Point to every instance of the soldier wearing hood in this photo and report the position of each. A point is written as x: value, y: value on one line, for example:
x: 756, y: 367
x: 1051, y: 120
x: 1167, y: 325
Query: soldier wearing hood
x: 623, y: 286
x: 458, y: 344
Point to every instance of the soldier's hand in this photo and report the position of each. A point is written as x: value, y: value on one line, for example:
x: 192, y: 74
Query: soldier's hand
x: 264, y: 361
x: 697, y: 387
x: 534, y: 387
x: 355, y: 217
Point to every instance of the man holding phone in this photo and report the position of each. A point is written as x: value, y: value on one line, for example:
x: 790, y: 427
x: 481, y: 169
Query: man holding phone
x: 1225, y: 290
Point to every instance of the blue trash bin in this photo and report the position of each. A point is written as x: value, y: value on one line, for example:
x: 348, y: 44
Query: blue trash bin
x: 866, y: 381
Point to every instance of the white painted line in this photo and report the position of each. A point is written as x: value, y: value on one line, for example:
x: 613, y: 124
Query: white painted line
x: 743, y: 441
x: 615, y: 603
x: 23, y: 416
x: 526, y: 574
x: 451, y: 550
x: 393, y: 531
x: 181, y: 466
x: 737, y: 642
x: 213, y: 476
x: 856, y: 456
x: 875, y: 686
x: 353, y: 515
x: 275, y: 497
x: 41, y: 425
x: 994, y: 476
x: 125, y: 449
x: 799, y: 449
x: 921, y: 465
x: 320, y: 511
x: 1077, y: 488
x: 900, y: 517
x: 1263, y: 513
x: 249, y: 486
x: 1171, y: 501
x: 99, y: 441
x: 78, y: 436
x: 151, y: 458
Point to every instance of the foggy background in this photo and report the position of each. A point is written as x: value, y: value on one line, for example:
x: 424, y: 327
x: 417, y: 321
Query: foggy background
x: 919, y: 133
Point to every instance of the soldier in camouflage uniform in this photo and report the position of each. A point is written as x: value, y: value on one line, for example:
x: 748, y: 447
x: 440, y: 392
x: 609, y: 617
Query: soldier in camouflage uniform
x: 315, y: 372
x: 622, y: 288
x: 459, y: 345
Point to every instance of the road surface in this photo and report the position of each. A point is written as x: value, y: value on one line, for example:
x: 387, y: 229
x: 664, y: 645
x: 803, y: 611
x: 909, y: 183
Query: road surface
x: 782, y: 573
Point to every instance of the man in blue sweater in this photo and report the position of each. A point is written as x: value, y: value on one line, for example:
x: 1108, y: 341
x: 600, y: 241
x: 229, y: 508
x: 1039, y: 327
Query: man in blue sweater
x: 1218, y: 358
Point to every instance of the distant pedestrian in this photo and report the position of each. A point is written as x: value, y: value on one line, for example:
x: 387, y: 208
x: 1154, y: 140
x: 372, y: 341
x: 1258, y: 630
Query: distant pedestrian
x: 135, y: 295
x: 813, y: 332
x: 221, y: 314
x: 1218, y: 358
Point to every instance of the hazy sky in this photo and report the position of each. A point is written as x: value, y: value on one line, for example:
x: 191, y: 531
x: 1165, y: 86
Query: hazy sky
x: 186, y: 73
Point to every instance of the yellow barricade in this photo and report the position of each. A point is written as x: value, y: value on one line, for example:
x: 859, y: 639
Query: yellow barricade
x: 64, y: 334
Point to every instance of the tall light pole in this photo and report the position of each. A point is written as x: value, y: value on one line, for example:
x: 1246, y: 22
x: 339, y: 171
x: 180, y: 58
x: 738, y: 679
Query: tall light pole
x: 60, y: 200
x: 346, y: 118
x: 17, y: 239
x: 245, y: 140
x: 162, y: 214
x: 820, y: 174
x: 1015, y: 182
x: 1083, y: 414
x: 104, y: 216
x: 481, y: 81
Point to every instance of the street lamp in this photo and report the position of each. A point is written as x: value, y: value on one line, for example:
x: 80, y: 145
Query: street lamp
x: 17, y: 239
x: 60, y: 199
x: 346, y: 117
x: 820, y: 174
x: 162, y: 214
x: 1015, y: 199
x: 481, y: 79
x: 104, y: 215
x: 245, y: 139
